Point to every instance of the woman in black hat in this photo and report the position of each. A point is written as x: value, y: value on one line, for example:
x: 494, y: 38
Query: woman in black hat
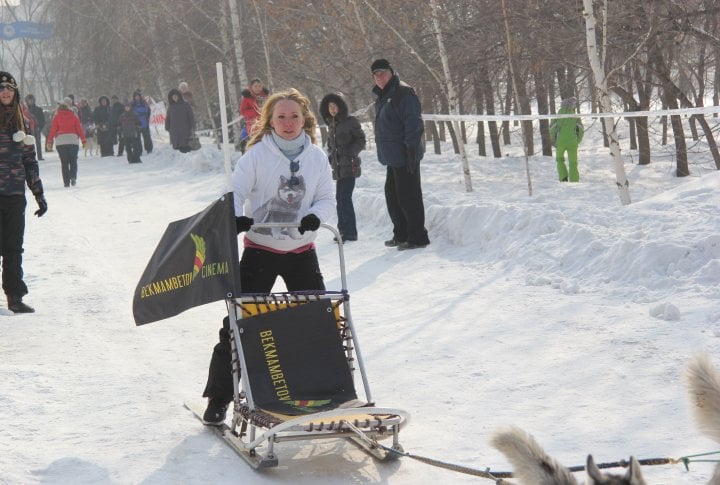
x: 18, y: 167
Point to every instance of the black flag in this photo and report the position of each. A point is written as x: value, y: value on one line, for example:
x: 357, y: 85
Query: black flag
x: 194, y: 263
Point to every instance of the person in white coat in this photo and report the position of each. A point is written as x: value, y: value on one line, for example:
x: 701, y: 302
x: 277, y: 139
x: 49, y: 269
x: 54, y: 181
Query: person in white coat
x: 286, y: 178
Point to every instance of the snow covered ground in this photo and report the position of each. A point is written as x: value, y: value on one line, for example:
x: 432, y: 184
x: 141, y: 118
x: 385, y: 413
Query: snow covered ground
x: 563, y: 313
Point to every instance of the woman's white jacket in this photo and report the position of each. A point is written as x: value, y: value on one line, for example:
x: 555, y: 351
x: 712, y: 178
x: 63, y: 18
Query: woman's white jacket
x: 262, y: 177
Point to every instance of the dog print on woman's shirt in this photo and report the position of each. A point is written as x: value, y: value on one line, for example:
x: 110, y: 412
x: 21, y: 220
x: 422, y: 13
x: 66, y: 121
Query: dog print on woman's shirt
x: 284, y: 207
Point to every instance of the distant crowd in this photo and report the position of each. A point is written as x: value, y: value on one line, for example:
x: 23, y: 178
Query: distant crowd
x: 115, y: 121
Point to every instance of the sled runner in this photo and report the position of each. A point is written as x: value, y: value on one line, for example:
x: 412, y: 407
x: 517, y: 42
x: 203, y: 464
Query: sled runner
x: 295, y: 357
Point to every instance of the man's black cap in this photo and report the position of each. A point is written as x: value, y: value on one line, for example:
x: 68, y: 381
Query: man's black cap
x: 380, y: 64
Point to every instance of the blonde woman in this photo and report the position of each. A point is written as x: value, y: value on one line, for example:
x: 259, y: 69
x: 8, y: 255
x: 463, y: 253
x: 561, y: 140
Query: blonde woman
x: 286, y: 178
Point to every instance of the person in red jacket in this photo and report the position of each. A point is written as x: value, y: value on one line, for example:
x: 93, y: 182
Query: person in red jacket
x: 252, y: 100
x: 67, y: 132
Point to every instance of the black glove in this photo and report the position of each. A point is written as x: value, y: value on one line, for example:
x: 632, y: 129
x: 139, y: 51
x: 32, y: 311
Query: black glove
x: 309, y: 223
x: 243, y: 223
x: 412, y: 163
x: 42, y: 204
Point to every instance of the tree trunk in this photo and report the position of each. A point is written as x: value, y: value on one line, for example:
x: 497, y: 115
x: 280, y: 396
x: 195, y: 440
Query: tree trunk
x: 630, y: 121
x: 519, y: 94
x: 435, y: 136
x: 716, y: 84
x: 601, y: 84
x: 203, y: 87
x: 566, y: 82
x: 237, y: 74
x: 506, y: 111
x: 451, y: 127
x: 487, y: 89
x: 482, y: 151
x: 480, y: 138
x: 237, y: 48
x: 541, y: 96
x: 266, y: 47
x: 670, y: 94
x: 664, y: 125
x: 453, y: 106
x: 644, y: 90
x: 699, y: 118
x: 640, y: 123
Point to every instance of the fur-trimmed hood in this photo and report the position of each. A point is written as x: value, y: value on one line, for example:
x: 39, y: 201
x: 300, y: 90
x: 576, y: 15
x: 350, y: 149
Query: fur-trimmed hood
x: 170, y: 95
x: 338, y: 99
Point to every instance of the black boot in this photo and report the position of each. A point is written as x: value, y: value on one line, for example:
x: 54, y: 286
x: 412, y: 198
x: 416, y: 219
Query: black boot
x: 16, y: 305
x: 215, y: 413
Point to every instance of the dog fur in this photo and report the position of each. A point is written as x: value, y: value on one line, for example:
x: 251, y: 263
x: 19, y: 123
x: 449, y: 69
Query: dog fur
x: 91, y: 147
x: 532, y: 466
x: 703, y: 382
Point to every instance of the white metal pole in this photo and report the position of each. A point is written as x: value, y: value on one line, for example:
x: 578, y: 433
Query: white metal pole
x: 224, y: 125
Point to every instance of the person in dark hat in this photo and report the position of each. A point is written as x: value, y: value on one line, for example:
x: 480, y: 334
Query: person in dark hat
x: 400, y: 147
x: 18, y: 168
x: 37, y: 113
x: 381, y: 64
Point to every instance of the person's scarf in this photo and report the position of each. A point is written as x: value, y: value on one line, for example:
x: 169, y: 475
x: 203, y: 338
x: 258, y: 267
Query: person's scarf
x: 290, y: 148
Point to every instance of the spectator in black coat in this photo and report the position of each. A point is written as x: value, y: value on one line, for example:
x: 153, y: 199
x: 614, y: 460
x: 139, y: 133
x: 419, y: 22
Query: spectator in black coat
x: 129, y: 128
x: 346, y: 140
x: 400, y: 147
x: 179, y: 121
x: 116, y: 109
x: 37, y: 113
x: 101, y: 116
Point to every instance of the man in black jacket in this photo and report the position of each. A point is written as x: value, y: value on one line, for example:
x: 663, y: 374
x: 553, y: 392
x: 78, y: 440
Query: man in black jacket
x: 37, y: 113
x: 400, y: 147
x: 116, y: 110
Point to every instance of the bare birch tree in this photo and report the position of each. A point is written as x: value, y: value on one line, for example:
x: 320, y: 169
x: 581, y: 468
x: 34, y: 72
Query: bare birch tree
x: 236, y: 57
x: 601, y: 84
x: 453, y: 106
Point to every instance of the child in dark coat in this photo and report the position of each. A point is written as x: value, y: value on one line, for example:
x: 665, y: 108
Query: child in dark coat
x: 129, y: 130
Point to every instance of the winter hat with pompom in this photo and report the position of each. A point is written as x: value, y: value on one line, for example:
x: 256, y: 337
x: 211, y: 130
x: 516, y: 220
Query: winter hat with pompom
x: 17, y: 119
x: 7, y: 78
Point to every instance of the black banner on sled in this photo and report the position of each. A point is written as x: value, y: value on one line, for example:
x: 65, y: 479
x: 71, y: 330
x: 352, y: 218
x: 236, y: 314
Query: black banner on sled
x: 194, y: 263
x: 295, y: 359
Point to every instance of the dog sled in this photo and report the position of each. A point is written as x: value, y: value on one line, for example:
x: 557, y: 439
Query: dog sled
x: 295, y: 355
x: 295, y: 359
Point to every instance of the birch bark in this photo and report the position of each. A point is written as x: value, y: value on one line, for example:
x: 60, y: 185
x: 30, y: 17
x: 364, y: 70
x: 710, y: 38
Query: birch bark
x: 601, y: 84
x: 453, y: 106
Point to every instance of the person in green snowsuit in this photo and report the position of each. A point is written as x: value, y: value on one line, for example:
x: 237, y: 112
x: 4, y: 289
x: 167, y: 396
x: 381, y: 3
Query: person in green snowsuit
x: 567, y: 133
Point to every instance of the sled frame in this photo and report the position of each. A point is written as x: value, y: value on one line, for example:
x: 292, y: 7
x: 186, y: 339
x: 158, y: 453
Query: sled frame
x: 253, y: 431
